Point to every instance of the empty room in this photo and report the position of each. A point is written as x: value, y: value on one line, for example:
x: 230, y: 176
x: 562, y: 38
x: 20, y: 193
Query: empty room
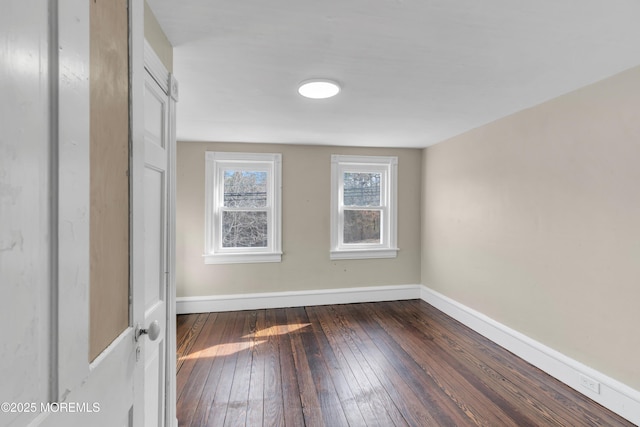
x: 508, y: 203
x: 304, y: 213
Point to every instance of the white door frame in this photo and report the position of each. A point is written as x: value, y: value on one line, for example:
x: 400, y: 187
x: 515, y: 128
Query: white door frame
x: 136, y: 200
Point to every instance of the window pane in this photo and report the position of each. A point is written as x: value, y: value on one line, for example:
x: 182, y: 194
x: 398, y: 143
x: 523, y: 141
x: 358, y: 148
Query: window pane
x: 245, y: 189
x: 361, y: 226
x: 244, y: 229
x: 362, y: 189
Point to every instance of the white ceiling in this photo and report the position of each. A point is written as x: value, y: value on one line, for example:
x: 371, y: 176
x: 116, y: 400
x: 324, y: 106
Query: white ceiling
x: 413, y: 72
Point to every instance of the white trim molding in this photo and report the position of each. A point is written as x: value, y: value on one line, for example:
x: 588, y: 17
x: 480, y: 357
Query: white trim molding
x: 216, y: 303
x: 613, y: 395
x: 364, y: 253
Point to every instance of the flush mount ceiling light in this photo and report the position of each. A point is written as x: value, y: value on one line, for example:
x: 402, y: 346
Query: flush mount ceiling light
x: 318, y: 88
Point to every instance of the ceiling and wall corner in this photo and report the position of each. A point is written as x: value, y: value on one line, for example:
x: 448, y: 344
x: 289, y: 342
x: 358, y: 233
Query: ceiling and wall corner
x: 412, y: 72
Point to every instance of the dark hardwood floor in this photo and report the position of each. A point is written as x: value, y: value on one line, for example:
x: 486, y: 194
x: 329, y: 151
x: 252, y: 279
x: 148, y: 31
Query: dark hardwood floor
x: 379, y: 364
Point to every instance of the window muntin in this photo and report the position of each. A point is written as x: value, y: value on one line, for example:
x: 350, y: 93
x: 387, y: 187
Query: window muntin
x: 243, y: 219
x: 363, y: 211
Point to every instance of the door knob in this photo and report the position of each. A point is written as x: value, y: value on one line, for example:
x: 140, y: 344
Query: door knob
x: 153, y: 331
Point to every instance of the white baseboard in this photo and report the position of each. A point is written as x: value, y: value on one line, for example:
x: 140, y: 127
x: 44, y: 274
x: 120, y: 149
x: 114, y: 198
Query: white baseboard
x: 216, y: 303
x: 614, y: 395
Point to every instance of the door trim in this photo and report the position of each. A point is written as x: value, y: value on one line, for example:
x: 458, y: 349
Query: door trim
x: 136, y: 193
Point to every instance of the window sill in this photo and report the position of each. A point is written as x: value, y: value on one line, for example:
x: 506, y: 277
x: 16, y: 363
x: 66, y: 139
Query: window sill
x: 364, y: 253
x: 242, y: 258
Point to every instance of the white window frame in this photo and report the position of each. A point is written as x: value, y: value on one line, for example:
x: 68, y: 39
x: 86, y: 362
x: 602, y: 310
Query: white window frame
x: 388, y: 168
x: 215, y: 165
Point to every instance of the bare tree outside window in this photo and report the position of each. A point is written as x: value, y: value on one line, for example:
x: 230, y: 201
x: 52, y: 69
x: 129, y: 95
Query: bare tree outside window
x: 243, y: 205
x: 361, y: 192
x: 244, y: 223
x: 361, y: 226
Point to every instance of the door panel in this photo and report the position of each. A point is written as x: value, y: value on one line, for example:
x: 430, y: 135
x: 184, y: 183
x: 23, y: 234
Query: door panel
x: 154, y: 232
x: 154, y: 392
x: 155, y: 114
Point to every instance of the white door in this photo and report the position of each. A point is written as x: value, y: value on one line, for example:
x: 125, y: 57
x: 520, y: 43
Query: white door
x: 156, y: 157
x: 45, y: 236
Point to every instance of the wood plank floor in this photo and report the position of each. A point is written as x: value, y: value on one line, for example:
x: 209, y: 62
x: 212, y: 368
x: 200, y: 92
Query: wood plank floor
x: 378, y: 364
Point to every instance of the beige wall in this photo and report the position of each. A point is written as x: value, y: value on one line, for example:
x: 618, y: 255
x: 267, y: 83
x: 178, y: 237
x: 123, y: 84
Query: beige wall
x: 305, y: 217
x: 157, y: 39
x: 109, y: 214
x: 534, y: 220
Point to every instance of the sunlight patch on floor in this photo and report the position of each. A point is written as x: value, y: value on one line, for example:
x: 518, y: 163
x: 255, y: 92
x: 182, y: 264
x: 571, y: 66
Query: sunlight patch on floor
x: 277, y: 330
x: 220, y: 350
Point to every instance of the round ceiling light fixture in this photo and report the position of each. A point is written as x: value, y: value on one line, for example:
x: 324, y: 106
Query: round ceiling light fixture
x: 318, y: 88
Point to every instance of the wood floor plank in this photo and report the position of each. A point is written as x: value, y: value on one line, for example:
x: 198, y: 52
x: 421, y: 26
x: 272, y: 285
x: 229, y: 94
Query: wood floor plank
x: 387, y: 364
x: 457, y: 393
x: 195, y: 371
x: 225, y: 334
x: 372, y: 412
x: 239, y: 394
x: 215, y: 405
x: 185, y: 370
x: 291, y: 396
x: 439, y: 403
x: 404, y: 398
x: 475, y: 375
x: 319, y: 398
x: 353, y: 410
x: 190, y: 327
x: 191, y: 359
x: 308, y: 395
x: 183, y: 323
x: 255, y: 408
x: 273, y: 412
x: 368, y: 370
x: 542, y: 397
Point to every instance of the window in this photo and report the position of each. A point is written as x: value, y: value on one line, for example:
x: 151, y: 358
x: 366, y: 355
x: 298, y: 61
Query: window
x: 363, y: 207
x: 242, y: 208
